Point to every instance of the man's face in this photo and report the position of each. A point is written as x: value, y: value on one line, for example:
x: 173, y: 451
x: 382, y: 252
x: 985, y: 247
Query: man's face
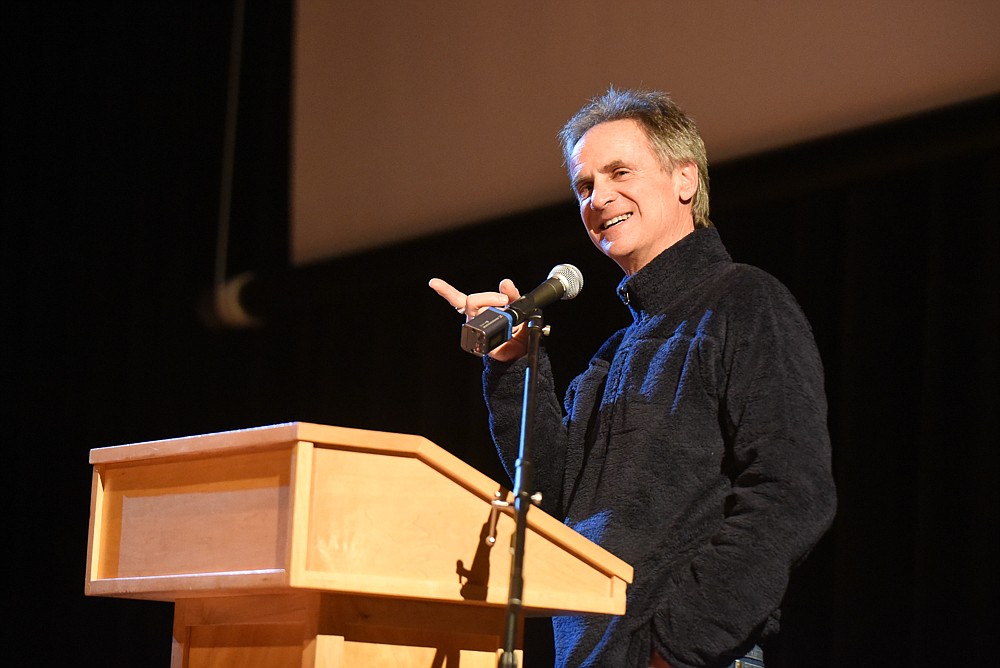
x: 632, y: 207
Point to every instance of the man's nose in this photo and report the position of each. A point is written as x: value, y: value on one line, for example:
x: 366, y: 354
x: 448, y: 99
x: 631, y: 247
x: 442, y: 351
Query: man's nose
x: 601, y: 196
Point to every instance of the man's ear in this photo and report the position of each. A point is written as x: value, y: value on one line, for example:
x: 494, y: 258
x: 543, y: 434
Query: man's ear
x: 687, y: 181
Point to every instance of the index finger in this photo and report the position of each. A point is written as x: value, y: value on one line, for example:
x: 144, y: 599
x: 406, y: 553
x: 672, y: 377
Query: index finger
x: 450, y: 294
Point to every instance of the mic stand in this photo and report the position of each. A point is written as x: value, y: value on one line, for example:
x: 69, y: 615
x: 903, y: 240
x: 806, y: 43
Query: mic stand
x: 524, y: 479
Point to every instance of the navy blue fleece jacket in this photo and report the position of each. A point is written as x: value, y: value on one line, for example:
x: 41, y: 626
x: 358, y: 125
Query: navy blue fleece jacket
x: 694, y: 447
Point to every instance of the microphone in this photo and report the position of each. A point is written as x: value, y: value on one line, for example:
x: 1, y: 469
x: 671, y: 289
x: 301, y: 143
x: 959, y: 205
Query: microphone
x: 494, y: 326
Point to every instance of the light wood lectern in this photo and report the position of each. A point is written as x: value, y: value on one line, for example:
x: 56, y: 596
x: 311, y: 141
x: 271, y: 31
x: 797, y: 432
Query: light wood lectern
x: 306, y: 545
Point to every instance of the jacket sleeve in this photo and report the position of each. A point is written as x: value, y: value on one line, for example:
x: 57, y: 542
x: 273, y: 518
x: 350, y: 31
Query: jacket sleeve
x: 503, y: 388
x: 772, y: 413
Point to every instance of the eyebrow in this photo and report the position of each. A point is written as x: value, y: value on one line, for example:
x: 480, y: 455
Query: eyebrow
x: 606, y: 169
x: 612, y: 166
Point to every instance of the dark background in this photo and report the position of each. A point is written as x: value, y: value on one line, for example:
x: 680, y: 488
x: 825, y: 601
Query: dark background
x: 112, y: 143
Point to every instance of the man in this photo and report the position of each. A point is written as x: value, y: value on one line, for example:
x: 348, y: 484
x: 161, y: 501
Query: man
x: 695, y: 445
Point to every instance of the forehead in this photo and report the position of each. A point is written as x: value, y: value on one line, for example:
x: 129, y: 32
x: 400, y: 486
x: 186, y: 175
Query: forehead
x: 612, y: 141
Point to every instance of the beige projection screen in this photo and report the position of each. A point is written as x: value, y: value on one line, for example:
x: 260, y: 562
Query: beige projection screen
x: 410, y: 118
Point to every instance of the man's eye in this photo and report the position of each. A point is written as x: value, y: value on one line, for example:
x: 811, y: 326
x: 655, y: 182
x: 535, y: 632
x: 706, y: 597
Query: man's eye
x: 620, y: 172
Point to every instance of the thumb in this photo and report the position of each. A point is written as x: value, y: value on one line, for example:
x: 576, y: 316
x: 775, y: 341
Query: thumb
x: 508, y: 288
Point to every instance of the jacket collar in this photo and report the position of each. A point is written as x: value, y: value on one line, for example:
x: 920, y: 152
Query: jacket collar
x: 674, y: 271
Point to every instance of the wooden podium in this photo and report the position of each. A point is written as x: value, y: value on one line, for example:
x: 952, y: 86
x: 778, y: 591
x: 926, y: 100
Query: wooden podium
x: 307, y: 545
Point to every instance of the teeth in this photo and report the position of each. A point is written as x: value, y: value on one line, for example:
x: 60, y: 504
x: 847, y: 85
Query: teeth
x: 617, y: 219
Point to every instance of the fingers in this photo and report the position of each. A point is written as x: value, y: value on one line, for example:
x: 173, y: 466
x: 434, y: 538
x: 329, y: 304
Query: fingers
x: 472, y: 304
x: 480, y: 301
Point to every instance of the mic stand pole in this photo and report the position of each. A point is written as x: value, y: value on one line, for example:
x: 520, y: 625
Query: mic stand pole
x: 524, y: 479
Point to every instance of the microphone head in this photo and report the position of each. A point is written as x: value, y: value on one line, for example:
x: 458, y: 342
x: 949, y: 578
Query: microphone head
x: 570, y: 277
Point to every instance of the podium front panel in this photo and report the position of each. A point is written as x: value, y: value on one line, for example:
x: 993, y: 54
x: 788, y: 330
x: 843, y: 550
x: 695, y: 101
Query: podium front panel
x: 189, y: 515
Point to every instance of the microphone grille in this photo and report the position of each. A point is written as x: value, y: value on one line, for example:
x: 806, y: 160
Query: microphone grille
x: 570, y: 277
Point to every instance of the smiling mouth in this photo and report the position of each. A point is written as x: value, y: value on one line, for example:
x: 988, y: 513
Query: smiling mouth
x: 614, y: 221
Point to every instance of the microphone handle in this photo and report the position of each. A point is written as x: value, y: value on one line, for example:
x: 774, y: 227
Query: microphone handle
x: 487, y: 330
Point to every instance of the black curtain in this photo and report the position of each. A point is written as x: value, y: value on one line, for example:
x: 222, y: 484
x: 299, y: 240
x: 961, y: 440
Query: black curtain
x: 112, y: 142
x: 889, y: 238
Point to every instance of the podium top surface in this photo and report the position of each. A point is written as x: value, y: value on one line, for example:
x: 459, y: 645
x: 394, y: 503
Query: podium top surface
x: 263, y: 437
